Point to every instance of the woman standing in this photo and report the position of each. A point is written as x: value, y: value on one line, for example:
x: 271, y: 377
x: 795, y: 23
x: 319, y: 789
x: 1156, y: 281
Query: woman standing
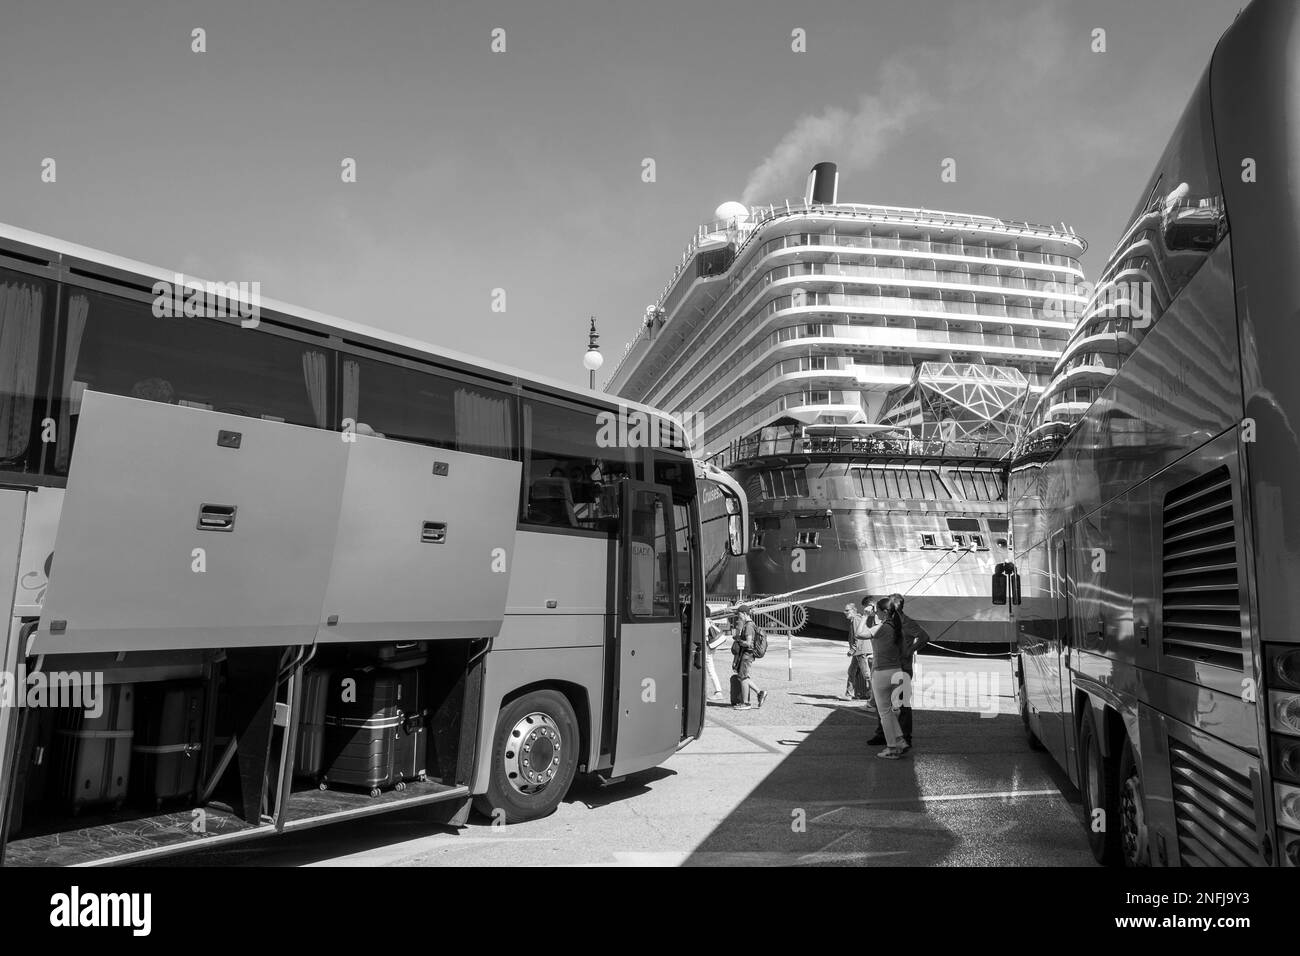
x: 886, y: 673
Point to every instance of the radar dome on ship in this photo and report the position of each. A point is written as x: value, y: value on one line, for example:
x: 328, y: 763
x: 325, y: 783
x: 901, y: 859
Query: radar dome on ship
x: 731, y: 210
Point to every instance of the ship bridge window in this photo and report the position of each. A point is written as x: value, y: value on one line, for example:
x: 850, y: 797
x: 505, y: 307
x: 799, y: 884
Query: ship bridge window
x: 808, y: 539
x: 959, y: 540
x: 785, y: 483
x: 963, y: 524
x: 977, y: 542
x: 929, y: 541
x: 768, y: 523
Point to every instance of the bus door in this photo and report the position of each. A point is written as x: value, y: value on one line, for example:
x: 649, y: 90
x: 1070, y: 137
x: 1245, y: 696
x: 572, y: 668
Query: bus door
x: 690, y: 591
x: 648, y: 718
x: 1057, y: 734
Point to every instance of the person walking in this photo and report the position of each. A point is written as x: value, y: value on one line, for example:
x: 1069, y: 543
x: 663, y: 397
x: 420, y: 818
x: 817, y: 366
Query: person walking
x: 858, y: 683
x: 915, y: 637
x: 748, y: 645
x: 886, y: 672
x: 714, y: 638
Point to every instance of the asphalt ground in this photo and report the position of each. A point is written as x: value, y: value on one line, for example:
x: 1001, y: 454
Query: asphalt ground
x: 792, y: 783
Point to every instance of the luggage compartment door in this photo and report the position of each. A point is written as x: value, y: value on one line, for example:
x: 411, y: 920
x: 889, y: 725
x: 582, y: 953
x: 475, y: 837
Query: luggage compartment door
x: 649, y: 679
x: 186, y: 528
x: 425, y: 544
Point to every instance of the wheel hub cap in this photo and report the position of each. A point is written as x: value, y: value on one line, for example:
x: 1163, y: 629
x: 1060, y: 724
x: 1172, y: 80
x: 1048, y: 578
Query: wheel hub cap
x: 532, y: 753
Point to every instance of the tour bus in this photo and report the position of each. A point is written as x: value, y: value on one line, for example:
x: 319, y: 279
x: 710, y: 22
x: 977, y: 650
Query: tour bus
x: 221, y: 510
x: 1155, y: 588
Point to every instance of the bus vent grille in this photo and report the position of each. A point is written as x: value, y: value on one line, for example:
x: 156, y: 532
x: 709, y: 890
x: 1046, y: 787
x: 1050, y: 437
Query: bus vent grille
x: 1201, y: 593
x: 1214, y: 810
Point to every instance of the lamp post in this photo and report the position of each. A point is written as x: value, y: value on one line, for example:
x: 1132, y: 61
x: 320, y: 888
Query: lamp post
x: 593, y: 360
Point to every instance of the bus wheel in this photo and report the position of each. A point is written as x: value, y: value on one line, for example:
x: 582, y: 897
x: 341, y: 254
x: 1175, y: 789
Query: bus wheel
x: 534, y: 758
x: 1030, y: 736
x: 1100, y: 800
x: 1132, y: 812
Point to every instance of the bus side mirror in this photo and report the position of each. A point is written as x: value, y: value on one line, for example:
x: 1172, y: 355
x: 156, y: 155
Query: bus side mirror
x: 1006, y: 583
x: 735, y: 527
x: 734, y: 535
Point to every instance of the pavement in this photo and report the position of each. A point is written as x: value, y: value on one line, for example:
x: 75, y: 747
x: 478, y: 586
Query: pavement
x: 792, y: 783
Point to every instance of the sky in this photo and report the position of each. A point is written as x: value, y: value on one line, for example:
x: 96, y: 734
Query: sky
x: 524, y: 170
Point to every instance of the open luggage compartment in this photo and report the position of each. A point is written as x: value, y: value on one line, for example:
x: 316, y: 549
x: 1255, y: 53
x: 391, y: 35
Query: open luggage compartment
x: 199, y: 747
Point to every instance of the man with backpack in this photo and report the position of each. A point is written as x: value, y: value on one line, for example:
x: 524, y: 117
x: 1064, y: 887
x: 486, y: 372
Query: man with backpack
x: 749, y: 645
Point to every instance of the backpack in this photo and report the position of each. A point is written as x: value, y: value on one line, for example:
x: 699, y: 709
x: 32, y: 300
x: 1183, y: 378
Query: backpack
x: 758, y: 642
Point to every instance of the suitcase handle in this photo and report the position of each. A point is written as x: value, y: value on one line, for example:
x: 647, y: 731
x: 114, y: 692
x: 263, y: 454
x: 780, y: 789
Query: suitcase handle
x: 411, y: 722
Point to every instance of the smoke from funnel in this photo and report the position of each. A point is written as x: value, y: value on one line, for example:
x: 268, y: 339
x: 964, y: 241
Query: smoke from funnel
x: 823, y: 184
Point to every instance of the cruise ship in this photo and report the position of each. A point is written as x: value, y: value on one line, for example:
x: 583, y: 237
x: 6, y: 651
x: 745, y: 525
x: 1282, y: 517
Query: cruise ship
x: 863, y: 371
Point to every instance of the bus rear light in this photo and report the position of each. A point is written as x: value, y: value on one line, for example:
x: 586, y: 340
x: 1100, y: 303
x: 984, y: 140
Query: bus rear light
x: 1288, y: 805
x: 1284, y: 712
x: 1284, y: 667
x: 1286, y: 759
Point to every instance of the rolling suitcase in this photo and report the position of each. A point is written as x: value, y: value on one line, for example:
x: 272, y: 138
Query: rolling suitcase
x: 737, y: 691
x: 94, y: 753
x: 309, y: 754
x: 167, y: 748
x: 35, y: 754
x: 376, y: 738
x: 401, y: 656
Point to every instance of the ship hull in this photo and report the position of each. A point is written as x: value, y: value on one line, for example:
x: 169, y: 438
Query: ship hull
x: 828, y: 547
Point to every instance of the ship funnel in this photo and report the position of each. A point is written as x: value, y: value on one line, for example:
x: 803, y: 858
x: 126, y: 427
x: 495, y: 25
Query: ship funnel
x: 823, y: 184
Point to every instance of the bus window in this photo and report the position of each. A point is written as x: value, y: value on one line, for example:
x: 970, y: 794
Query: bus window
x: 423, y: 407
x: 649, y: 559
x: 23, y: 301
x: 117, y: 345
x: 569, y: 480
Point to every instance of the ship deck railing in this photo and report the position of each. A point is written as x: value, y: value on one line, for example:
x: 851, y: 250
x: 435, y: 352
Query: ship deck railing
x: 748, y: 449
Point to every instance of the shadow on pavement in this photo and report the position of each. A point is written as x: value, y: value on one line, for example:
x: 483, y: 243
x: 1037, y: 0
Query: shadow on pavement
x: 831, y: 801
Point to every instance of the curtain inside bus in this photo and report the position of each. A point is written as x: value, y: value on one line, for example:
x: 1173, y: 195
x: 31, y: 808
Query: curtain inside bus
x: 21, y: 303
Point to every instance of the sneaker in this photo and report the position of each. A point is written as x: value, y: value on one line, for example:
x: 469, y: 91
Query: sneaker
x: 889, y: 753
x: 742, y: 706
x: 716, y: 695
x: 876, y: 741
x: 762, y: 696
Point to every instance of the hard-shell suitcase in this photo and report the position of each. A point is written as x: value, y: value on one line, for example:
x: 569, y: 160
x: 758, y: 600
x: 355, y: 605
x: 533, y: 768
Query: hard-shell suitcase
x: 35, y: 754
x: 167, y: 749
x: 376, y: 737
x: 403, y: 655
x: 309, y: 754
x: 737, y: 690
x: 94, y: 753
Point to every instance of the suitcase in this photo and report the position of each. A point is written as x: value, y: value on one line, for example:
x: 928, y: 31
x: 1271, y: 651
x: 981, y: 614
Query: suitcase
x: 309, y: 754
x: 737, y: 690
x: 94, y: 753
x: 410, y: 654
x: 31, y: 771
x: 380, y: 739
x: 167, y: 749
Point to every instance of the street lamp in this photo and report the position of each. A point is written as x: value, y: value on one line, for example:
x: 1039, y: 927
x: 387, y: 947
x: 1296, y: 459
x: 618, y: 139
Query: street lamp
x: 593, y: 360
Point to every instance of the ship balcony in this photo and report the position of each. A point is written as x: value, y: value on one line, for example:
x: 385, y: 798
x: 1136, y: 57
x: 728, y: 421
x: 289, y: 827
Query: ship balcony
x: 1097, y: 376
x: 702, y: 381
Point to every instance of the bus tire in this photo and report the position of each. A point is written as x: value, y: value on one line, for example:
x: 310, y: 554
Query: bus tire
x: 1134, y: 848
x: 1030, y: 736
x: 1100, y: 792
x: 534, y: 758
